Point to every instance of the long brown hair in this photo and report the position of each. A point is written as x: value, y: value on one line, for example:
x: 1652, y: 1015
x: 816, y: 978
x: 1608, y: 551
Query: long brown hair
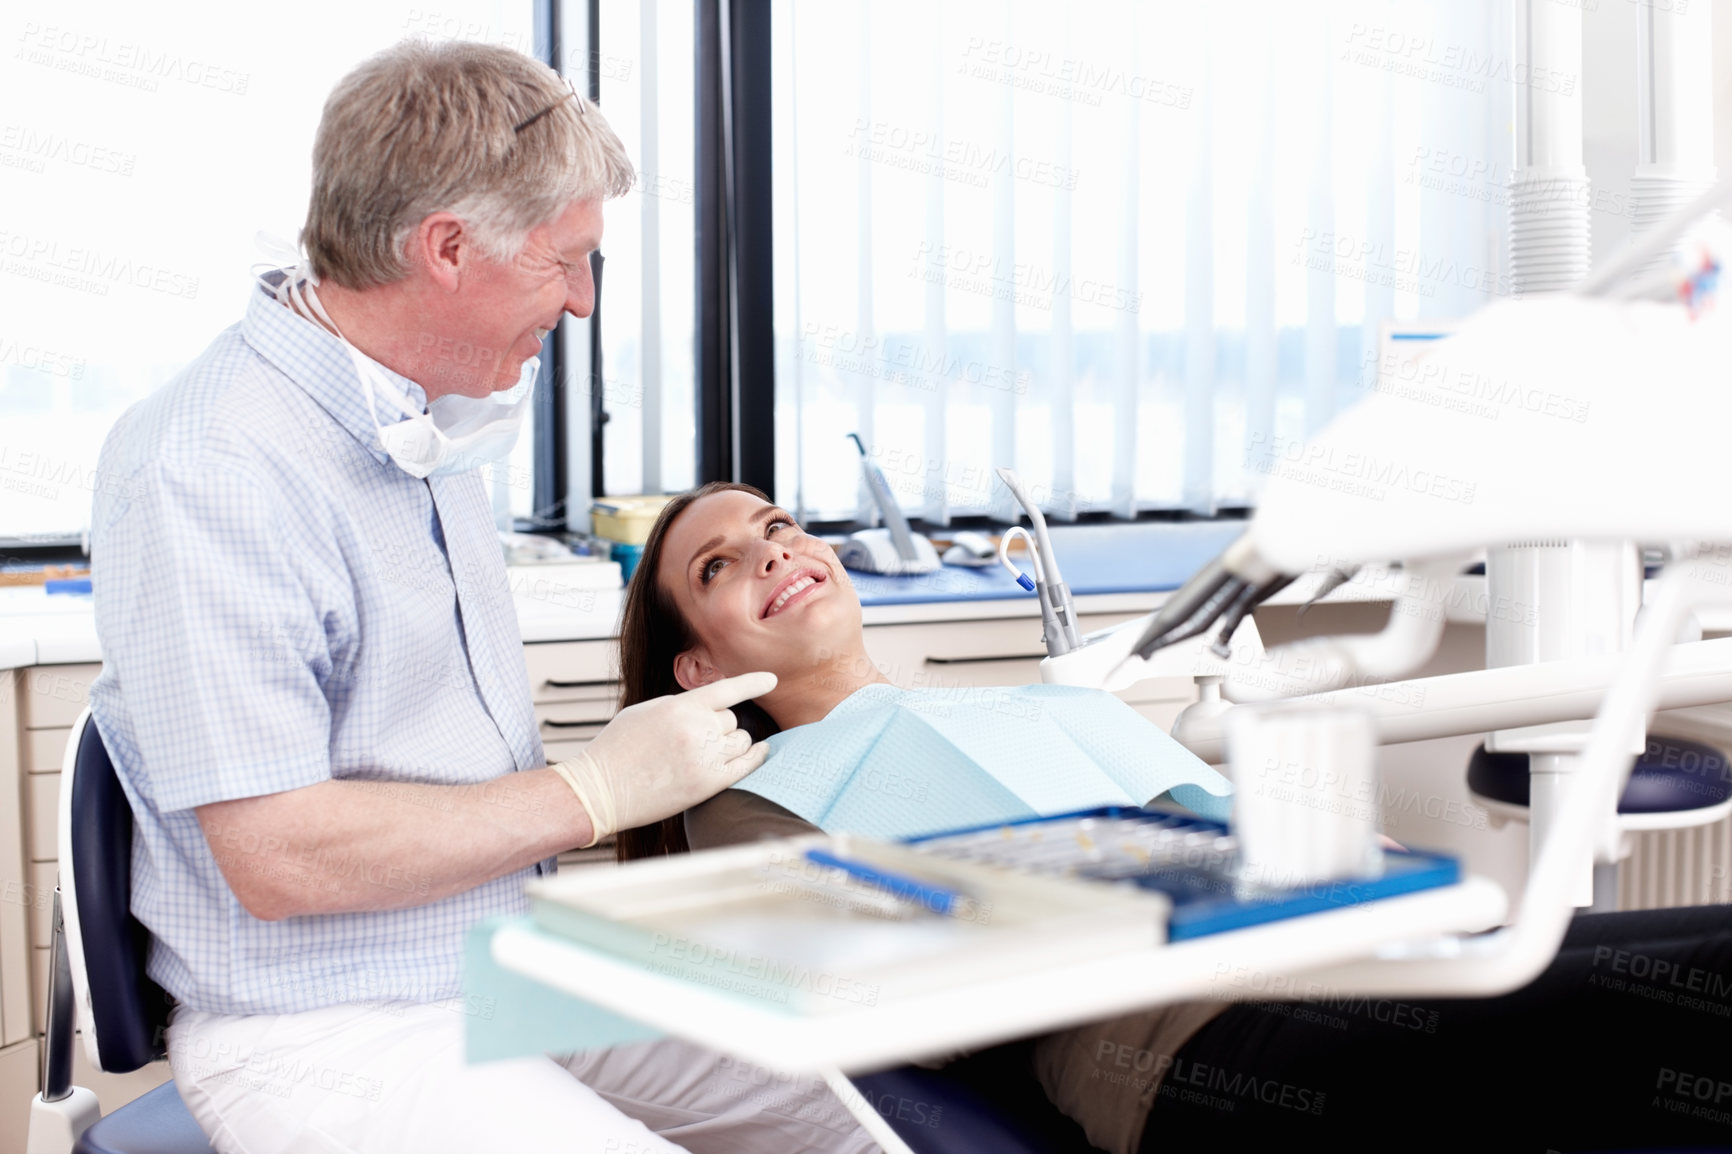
x: 652, y: 633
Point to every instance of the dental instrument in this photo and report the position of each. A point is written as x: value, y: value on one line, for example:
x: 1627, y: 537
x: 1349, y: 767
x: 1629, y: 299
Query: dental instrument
x: 1057, y: 610
x: 943, y: 900
x: 1018, y: 532
x: 1196, y: 862
x: 895, y: 548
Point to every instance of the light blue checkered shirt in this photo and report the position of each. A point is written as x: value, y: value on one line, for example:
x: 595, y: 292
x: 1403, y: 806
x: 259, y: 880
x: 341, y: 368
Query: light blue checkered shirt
x: 278, y: 605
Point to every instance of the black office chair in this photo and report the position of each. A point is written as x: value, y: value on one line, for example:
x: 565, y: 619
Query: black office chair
x: 97, y: 982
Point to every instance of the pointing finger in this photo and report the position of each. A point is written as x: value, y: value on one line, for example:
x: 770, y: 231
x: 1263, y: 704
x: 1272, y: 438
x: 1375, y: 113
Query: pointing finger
x: 733, y: 690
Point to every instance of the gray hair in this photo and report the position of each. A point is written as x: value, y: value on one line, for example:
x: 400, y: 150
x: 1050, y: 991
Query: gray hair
x: 476, y: 130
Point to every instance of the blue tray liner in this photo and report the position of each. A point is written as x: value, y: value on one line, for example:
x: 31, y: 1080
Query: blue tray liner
x: 1204, y: 902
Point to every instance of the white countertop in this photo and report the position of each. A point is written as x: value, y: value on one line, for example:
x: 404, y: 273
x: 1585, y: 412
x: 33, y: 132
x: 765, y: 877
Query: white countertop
x: 37, y: 628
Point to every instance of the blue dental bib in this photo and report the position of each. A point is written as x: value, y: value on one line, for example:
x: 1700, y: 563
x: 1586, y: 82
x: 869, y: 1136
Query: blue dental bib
x: 892, y: 763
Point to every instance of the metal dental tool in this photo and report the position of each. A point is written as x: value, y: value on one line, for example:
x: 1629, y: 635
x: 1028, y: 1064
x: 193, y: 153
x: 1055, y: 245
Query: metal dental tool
x: 1057, y: 611
x: 895, y: 549
x: 1233, y: 583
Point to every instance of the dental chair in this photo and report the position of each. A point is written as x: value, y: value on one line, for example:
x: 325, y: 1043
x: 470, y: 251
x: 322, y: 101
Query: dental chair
x: 97, y: 984
x: 988, y: 1100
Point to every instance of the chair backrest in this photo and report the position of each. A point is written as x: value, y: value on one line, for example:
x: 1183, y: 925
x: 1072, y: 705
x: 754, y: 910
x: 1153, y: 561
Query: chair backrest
x: 1672, y: 775
x: 122, y: 1013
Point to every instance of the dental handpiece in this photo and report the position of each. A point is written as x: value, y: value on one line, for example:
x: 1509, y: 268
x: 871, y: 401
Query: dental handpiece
x: 888, y: 507
x: 1057, y: 610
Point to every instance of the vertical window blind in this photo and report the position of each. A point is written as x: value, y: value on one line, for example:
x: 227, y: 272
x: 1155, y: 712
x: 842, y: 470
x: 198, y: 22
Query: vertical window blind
x: 1133, y: 250
x: 648, y: 296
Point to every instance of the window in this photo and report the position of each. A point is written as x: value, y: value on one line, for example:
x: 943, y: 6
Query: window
x: 1129, y: 249
x: 145, y: 148
x: 142, y: 150
x: 648, y: 294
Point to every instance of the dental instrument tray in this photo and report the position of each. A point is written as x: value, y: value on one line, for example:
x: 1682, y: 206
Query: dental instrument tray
x: 820, y: 924
x: 1189, y: 859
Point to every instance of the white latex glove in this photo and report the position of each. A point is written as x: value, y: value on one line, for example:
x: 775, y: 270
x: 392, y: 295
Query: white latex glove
x: 660, y: 757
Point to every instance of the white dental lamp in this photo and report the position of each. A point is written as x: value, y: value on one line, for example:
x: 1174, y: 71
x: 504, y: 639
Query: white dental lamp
x: 1601, y: 378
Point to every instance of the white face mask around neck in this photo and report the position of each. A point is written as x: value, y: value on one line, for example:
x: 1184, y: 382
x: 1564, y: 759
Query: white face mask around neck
x: 455, y: 434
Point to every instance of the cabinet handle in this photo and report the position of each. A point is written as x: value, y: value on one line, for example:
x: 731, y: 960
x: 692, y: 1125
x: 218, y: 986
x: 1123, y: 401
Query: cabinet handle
x: 552, y: 684
x: 572, y: 724
x: 978, y: 660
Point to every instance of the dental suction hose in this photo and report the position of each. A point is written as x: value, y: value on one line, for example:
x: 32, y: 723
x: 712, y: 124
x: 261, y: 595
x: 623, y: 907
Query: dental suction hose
x: 1057, y: 610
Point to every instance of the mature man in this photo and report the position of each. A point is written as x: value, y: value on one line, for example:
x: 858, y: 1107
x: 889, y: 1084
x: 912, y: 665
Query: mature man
x: 313, y: 681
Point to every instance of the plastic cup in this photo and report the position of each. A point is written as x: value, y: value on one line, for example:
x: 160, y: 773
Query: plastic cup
x: 1305, y: 804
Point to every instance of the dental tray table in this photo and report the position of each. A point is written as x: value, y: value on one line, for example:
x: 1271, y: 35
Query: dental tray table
x: 752, y: 952
x: 1188, y: 859
x: 819, y: 924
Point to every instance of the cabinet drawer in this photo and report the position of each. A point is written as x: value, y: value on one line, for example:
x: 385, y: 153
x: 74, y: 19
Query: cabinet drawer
x: 957, y: 654
x: 54, y: 695
x: 903, y: 652
x: 572, y: 670
x: 41, y: 803
x: 18, y: 1083
x: 1013, y: 644
x: 45, y: 749
x: 556, y: 716
x: 957, y: 673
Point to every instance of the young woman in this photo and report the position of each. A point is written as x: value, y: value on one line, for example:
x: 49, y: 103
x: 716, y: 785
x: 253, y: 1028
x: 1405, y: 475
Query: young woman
x: 1622, y: 1042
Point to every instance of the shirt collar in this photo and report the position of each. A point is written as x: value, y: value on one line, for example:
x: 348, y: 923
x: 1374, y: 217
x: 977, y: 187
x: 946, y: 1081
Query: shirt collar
x: 319, y: 364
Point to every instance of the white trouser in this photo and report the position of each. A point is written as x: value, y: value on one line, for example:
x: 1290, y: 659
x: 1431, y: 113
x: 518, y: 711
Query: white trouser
x: 391, y: 1079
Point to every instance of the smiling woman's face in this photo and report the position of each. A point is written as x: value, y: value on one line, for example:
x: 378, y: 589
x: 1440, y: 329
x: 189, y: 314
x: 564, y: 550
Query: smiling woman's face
x: 756, y: 591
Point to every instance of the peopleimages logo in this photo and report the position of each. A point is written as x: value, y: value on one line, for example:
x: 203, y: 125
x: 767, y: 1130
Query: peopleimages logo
x: 1435, y: 380
x: 1374, y: 262
x: 88, y: 269
x: 904, y: 362
x: 986, y: 273
x: 1424, y: 57
x: 1042, y: 71
x: 1356, y: 473
x: 35, y: 149
x: 1125, y: 1065
x: 952, y: 158
x: 124, y: 62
